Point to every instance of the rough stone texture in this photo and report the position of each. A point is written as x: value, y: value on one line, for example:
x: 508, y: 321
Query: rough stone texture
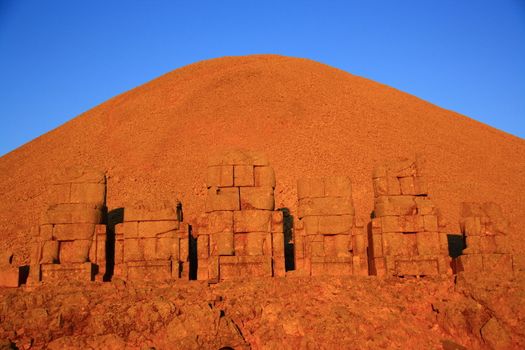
x: 71, y: 241
x: 268, y: 313
x: 152, y: 244
x: 405, y: 235
x: 328, y: 241
x: 240, y: 235
x: 486, y: 234
x: 9, y: 274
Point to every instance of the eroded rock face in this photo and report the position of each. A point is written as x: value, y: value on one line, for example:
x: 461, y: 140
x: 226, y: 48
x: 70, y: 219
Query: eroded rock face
x: 240, y: 235
x: 407, y: 237
x: 268, y: 313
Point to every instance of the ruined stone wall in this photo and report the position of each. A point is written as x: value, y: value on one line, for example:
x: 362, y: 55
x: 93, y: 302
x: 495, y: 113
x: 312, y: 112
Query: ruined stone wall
x: 151, y: 244
x: 327, y: 239
x: 240, y: 235
x: 485, y: 230
x: 71, y: 240
x: 406, y: 238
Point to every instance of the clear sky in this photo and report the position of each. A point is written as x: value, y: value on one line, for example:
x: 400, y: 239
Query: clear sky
x: 59, y: 58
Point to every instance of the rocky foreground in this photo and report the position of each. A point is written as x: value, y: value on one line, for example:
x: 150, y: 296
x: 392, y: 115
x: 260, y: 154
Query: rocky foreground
x: 273, y: 313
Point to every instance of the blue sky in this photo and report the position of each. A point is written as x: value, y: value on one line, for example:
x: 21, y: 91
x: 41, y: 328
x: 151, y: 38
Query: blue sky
x: 61, y: 58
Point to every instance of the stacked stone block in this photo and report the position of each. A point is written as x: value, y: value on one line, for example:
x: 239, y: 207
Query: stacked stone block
x: 327, y: 239
x: 240, y: 235
x: 406, y: 238
x: 9, y: 274
x: 487, y: 246
x: 152, y: 244
x: 71, y: 239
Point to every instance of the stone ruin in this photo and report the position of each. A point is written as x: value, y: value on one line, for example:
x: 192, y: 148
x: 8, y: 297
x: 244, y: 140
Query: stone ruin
x: 240, y: 235
x: 9, y: 274
x: 152, y: 244
x: 71, y: 239
x: 487, y: 246
x: 327, y: 239
x: 406, y: 237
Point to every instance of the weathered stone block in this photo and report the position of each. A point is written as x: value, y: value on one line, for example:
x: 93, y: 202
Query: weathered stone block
x: 471, y: 226
x: 360, y: 265
x: 148, y: 229
x: 395, y: 205
x: 417, y: 267
x: 46, y: 232
x: 471, y: 263
x: 277, y: 221
x: 337, y: 186
x: 503, y: 244
x: 150, y: 214
x: 391, y: 224
x: 72, y: 213
x: 255, y: 242
x: 279, y: 267
x: 184, y: 249
x: 76, y: 251
x: 377, y: 246
x: 220, y: 176
x: 310, y: 188
x: 310, y: 225
x: 233, y: 267
x: 49, y: 252
x: 316, y: 248
x: 359, y: 244
x: 149, y: 246
x: 326, y: 206
x: 473, y: 245
x: 219, y: 221
x: 69, y: 232
x: 129, y: 229
x: 487, y: 244
x: 257, y: 198
x: 431, y: 223
x: 226, y: 198
x: 59, y: 193
x: 202, y: 269
x: 88, y: 193
x: 52, y: 273
x: 497, y: 263
x: 252, y: 221
x: 420, y: 186
x: 213, y: 269
x: 407, y: 185
x: 133, y: 250
x: 264, y: 176
x: 203, y: 247
x: 394, y: 188
x: 149, y: 270
x: 334, y: 224
x: 222, y: 243
x: 398, y: 244
x: 9, y: 277
x: 424, y: 205
x: 277, y: 244
x: 243, y: 175
x: 428, y: 243
x: 380, y: 186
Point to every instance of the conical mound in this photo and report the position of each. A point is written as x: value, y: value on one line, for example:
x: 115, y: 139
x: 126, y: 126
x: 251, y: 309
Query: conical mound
x: 310, y: 119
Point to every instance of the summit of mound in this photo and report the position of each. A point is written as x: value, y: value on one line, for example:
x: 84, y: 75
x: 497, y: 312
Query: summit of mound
x: 310, y: 119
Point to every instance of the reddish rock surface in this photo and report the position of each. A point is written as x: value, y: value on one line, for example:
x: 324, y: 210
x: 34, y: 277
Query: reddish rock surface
x: 312, y: 121
x: 308, y: 118
x: 269, y: 313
